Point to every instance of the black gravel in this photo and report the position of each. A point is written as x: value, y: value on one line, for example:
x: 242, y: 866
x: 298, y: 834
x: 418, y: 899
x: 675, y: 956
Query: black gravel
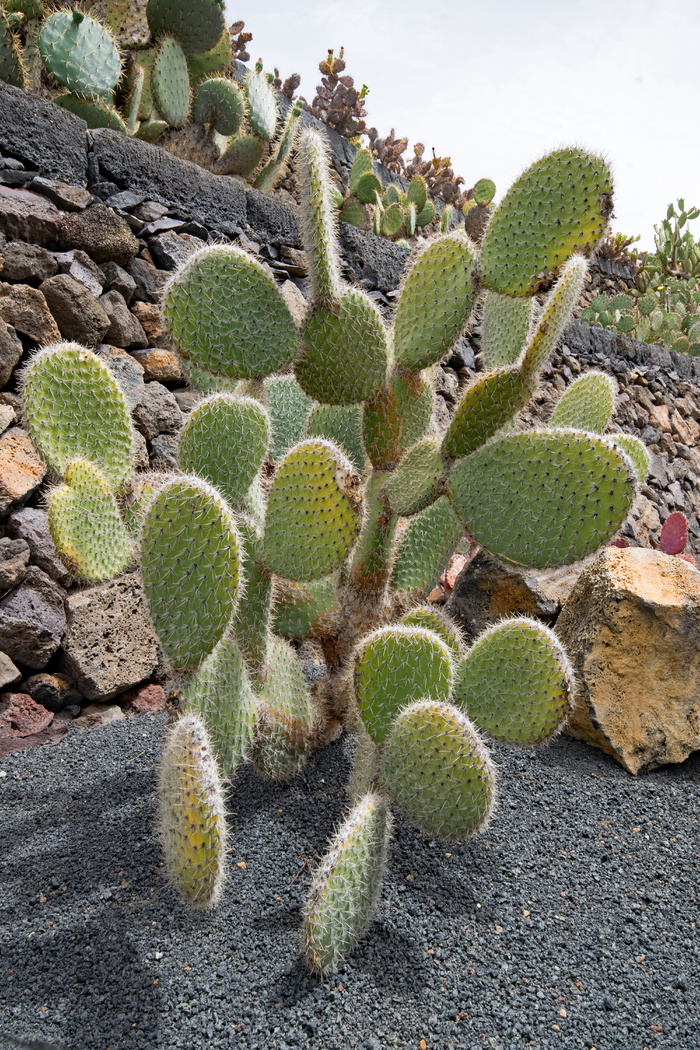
x: 571, y: 922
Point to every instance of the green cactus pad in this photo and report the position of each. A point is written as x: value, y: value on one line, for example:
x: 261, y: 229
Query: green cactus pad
x: 398, y: 417
x: 304, y: 612
x: 220, y: 694
x: 75, y: 409
x: 80, y: 54
x: 637, y: 451
x: 516, y: 683
x: 126, y: 19
x: 560, y: 205
x: 262, y: 106
x: 274, y: 169
x: 435, y: 302
x: 242, y: 156
x: 227, y: 315
x: 484, y: 191
x: 251, y: 621
x: 289, y: 409
x: 417, y: 192
x: 427, y: 215
x: 431, y: 618
x: 286, y: 716
x: 588, y: 404
x: 391, y: 221
x: 417, y: 479
x: 219, y: 102
x: 426, y: 546
x: 341, y: 424
x: 361, y: 166
x: 313, y: 512
x: 192, y: 814
x: 11, y: 67
x: 346, y: 886
x: 344, y: 351
x: 487, y: 404
x: 90, y: 537
x: 352, y: 211
x: 395, y: 666
x: 197, y: 26
x: 438, y: 772
x: 225, y: 441
x: 95, y: 114
x: 151, y: 130
x: 205, y: 63
x: 543, y: 499
x: 170, y: 82
x: 554, y: 318
x: 366, y: 187
x: 191, y: 564
x: 505, y: 326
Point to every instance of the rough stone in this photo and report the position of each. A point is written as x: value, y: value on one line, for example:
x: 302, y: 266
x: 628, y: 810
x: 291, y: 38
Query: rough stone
x: 14, y: 557
x: 32, y: 620
x: 9, y: 674
x: 158, y: 413
x: 374, y: 259
x: 128, y: 372
x: 79, y: 316
x: 11, y: 350
x: 26, y: 216
x: 161, y: 365
x: 32, y: 524
x: 149, y: 280
x: 54, y: 691
x: 26, y: 310
x: 25, y: 724
x: 631, y: 627
x: 141, y: 460
x: 124, y: 329
x: 171, y: 249
x: 150, y: 211
x: 47, y: 137
x: 65, y: 196
x: 115, y: 277
x: 150, y: 317
x: 80, y: 266
x: 27, y: 262
x: 296, y: 302
x: 94, y: 716
x: 125, y: 199
x: 101, y: 233
x: 21, y: 469
x: 272, y: 219
x: 8, y: 416
x: 164, y: 452
x: 146, y: 700
x: 109, y: 644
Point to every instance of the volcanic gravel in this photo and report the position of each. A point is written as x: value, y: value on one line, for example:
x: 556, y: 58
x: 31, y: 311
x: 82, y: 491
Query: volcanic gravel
x: 572, y: 921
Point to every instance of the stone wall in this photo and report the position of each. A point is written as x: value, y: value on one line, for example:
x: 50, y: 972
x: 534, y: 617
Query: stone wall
x: 92, y: 223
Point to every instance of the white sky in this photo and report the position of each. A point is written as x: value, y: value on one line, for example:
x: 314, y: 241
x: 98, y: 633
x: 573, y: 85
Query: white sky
x: 495, y: 85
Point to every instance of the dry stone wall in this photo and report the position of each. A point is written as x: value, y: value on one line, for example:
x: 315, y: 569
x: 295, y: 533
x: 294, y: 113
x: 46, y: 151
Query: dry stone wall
x: 91, y: 225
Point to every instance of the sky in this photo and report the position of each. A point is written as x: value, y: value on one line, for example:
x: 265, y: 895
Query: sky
x: 496, y: 85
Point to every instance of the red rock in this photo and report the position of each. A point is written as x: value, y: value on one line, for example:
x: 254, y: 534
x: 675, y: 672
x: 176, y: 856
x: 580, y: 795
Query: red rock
x: 22, y: 716
x: 21, y: 469
x: 145, y: 700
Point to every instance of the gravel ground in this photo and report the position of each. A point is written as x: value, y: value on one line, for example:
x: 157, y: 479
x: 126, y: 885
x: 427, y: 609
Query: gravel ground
x: 571, y: 922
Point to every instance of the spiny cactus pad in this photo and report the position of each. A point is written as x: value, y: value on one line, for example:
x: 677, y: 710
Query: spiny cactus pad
x: 505, y: 325
x: 397, y: 418
x: 516, y: 683
x: 637, y: 451
x: 344, y: 355
x: 395, y: 666
x: 192, y: 815
x: 80, y: 54
x: 262, y: 106
x: 198, y: 26
x: 289, y: 409
x: 285, y: 718
x: 170, y: 82
x: 95, y: 114
x: 313, y: 513
x: 191, y: 564
x: 427, y: 545
x: 587, y: 404
x: 11, y: 66
x: 438, y: 772
x: 487, y: 404
x: 251, y: 621
x: 242, y: 156
x: 554, y: 318
x: 304, y: 612
x: 416, y: 481
x: 341, y: 424
x: 227, y: 315
x: 220, y: 694
x: 89, y: 535
x: 436, y: 300
x: 225, y: 441
x: 317, y: 218
x: 543, y: 499
x: 346, y: 885
x: 75, y: 409
x: 560, y: 205
x: 219, y: 102
x: 431, y: 618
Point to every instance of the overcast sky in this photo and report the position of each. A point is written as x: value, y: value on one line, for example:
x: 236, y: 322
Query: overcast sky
x: 495, y: 85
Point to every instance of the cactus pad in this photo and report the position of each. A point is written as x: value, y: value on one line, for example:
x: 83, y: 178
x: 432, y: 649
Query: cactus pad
x: 80, y: 54
x: 286, y: 716
x: 242, y: 156
x: 289, y: 409
x: 301, y: 612
x: 637, y: 452
x: 516, y: 683
x: 11, y: 67
x: 262, y: 106
x: 344, y: 355
x: 397, y: 418
x: 226, y: 314
x: 417, y: 478
x: 543, y: 499
x: 192, y: 815
x: 219, y: 102
x: 170, y: 82
x: 554, y: 318
x: 487, y: 404
x: 225, y: 441
x: 197, y: 26
x: 395, y: 666
x: 438, y: 772
x: 317, y: 218
x: 427, y: 545
x: 191, y: 564
x: 435, y: 303
x: 341, y: 424
x: 505, y: 326
x: 346, y: 885
x: 75, y: 409
x: 431, y: 618
x: 95, y: 114
x: 560, y: 205
x: 90, y: 537
x: 313, y: 513
x: 587, y: 404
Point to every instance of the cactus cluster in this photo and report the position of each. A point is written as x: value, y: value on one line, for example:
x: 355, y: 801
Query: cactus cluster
x: 319, y: 500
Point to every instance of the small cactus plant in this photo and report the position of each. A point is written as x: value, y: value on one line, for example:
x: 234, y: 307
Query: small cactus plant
x: 322, y: 502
